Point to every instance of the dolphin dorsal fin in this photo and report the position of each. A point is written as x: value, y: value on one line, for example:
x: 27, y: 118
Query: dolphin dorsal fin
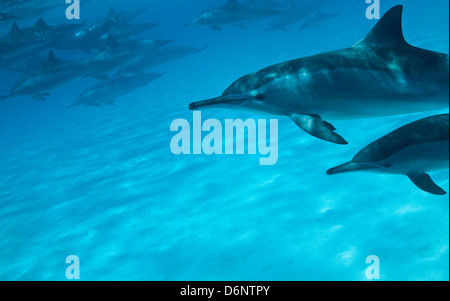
x: 15, y: 30
x: 111, y: 41
x: 111, y: 13
x: 51, y: 59
x: 387, y: 32
x: 41, y: 23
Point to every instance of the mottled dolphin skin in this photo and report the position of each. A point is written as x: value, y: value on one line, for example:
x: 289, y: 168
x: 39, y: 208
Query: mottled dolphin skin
x: 380, y: 75
x: 412, y: 150
x: 234, y: 13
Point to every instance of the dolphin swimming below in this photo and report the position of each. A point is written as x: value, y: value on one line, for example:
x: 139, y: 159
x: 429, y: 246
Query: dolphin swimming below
x: 105, y: 92
x: 380, y: 75
x: 412, y: 150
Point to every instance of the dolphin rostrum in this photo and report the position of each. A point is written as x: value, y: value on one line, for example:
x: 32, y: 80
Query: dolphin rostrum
x: 380, y: 75
x: 412, y: 150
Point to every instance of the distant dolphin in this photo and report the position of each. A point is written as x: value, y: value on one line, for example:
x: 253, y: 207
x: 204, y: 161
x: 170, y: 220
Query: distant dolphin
x: 52, y: 74
x: 295, y: 15
x: 105, y: 92
x: 234, y: 13
x: 5, y: 16
x: 159, y: 56
x: 380, y: 75
x: 412, y: 150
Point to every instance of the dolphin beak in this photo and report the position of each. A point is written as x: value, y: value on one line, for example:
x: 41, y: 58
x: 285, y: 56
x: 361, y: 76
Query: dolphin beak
x: 204, y: 103
x: 224, y: 101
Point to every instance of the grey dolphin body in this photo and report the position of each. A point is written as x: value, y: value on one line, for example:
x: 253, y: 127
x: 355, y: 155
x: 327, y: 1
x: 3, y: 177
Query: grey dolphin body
x: 412, y: 150
x: 380, y: 75
x: 234, y: 13
x: 84, y: 40
x: 53, y: 74
x: 108, y: 90
x: 19, y: 41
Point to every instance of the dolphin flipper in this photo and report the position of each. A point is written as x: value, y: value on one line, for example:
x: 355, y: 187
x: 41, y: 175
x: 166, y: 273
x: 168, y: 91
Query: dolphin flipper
x: 424, y: 182
x: 317, y: 127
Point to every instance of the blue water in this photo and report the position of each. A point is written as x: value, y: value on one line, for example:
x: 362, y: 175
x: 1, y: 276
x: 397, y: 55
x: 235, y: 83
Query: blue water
x: 101, y: 182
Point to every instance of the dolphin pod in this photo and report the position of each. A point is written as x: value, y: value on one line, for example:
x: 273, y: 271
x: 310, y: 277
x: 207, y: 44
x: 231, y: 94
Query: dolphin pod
x: 380, y: 75
x: 412, y: 150
x: 106, y: 48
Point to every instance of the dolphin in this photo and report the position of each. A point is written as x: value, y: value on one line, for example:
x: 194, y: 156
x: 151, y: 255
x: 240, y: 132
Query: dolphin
x: 158, y: 57
x: 53, y: 74
x: 84, y: 40
x: 5, y: 16
x: 380, y: 75
x: 125, y: 16
x: 412, y: 150
x: 318, y: 18
x: 63, y: 29
x: 295, y: 15
x: 105, y: 92
x: 117, y: 55
x: 18, y: 40
x: 234, y: 13
x: 120, y: 31
x: 27, y: 9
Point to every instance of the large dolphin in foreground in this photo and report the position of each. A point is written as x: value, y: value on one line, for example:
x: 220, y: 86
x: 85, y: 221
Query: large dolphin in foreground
x: 412, y: 150
x: 380, y: 75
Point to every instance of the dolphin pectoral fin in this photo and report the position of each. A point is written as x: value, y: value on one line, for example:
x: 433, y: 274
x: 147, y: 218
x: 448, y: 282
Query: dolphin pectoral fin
x: 317, y: 127
x: 349, y: 167
x: 424, y: 182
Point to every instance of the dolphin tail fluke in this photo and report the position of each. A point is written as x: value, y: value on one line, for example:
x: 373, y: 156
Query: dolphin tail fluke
x: 425, y: 183
x: 348, y: 167
x: 317, y: 127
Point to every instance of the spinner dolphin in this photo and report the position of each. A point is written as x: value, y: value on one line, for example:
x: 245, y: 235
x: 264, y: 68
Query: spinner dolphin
x: 380, y: 75
x: 412, y: 150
